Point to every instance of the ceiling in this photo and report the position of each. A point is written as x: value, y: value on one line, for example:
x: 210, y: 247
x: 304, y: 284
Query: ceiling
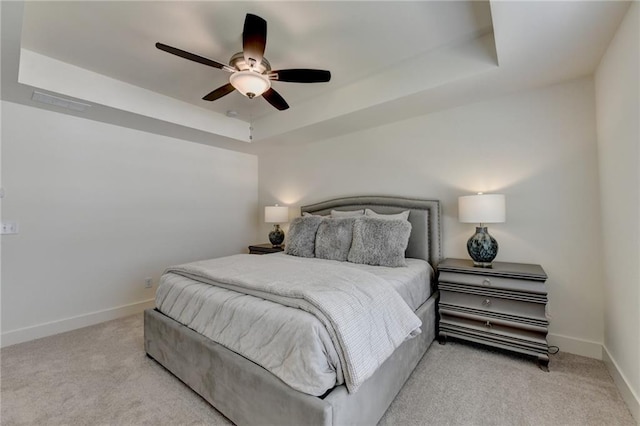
x: 388, y: 60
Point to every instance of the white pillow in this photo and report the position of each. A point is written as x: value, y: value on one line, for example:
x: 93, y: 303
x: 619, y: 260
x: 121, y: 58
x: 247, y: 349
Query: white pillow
x: 307, y: 214
x: 402, y: 215
x: 352, y: 213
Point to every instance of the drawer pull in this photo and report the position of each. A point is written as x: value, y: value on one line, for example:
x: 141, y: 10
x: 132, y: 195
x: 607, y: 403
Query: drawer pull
x: 486, y: 302
x: 486, y: 282
x: 488, y: 324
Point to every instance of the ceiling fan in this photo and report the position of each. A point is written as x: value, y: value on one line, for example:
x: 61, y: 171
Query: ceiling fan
x: 251, y: 73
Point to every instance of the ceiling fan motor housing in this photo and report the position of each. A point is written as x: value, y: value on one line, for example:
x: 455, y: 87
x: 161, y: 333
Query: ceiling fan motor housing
x: 237, y: 61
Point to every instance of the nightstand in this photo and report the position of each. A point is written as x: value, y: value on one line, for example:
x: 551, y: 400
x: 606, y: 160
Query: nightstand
x: 502, y: 306
x: 264, y: 249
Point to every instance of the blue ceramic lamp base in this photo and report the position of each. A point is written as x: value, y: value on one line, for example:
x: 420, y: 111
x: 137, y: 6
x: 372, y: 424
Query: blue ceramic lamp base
x: 482, y: 248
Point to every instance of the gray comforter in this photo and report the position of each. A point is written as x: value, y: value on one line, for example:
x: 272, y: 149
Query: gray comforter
x: 365, y: 319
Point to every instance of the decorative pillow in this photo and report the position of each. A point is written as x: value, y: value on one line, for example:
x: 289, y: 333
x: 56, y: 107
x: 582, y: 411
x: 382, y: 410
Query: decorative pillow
x: 301, y: 238
x: 305, y: 214
x: 333, y: 239
x: 379, y: 241
x: 352, y: 213
x: 402, y: 215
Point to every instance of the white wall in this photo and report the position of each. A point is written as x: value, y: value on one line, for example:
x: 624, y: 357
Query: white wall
x: 618, y: 114
x: 537, y: 147
x: 101, y: 207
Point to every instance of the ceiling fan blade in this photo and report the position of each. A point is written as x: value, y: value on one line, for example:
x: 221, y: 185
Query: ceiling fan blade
x: 219, y: 92
x: 254, y: 39
x: 275, y: 99
x: 191, y: 56
x: 301, y: 75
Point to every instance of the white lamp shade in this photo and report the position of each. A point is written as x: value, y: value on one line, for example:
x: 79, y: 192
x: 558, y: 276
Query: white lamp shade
x: 276, y: 214
x: 250, y: 83
x: 482, y: 208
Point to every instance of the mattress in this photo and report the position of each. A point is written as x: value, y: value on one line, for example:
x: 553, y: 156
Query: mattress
x: 290, y: 343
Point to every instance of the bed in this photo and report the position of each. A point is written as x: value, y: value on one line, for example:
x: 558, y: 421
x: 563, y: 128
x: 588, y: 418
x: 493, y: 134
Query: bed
x: 248, y: 393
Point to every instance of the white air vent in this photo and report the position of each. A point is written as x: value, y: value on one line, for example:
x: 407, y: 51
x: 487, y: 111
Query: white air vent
x: 61, y: 102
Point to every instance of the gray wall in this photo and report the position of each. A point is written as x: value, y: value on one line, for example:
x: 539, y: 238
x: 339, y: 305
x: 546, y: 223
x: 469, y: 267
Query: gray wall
x: 537, y: 147
x: 618, y: 112
x: 101, y: 207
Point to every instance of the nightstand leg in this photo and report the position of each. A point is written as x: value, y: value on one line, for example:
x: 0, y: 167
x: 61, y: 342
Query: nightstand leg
x: 442, y: 338
x: 543, y: 362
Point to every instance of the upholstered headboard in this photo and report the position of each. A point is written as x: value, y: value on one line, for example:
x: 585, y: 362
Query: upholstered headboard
x: 425, y: 241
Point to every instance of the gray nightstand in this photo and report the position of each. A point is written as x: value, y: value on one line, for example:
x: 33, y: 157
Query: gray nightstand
x: 503, y: 306
x: 264, y: 249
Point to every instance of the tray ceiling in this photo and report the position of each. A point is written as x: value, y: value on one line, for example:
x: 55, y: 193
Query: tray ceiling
x: 388, y: 60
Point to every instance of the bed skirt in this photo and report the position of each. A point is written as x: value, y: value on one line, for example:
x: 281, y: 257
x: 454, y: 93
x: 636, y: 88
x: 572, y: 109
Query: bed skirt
x: 248, y: 394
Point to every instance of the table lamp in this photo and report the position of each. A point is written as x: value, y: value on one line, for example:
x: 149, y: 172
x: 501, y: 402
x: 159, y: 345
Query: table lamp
x: 481, y: 209
x: 276, y: 215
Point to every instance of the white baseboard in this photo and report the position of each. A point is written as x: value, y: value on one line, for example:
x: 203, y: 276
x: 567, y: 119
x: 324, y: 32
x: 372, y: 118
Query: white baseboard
x: 576, y: 346
x: 630, y: 397
x: 25, y: 334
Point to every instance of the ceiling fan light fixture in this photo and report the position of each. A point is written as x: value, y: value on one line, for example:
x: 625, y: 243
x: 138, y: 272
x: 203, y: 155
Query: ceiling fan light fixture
x: 250, y: 83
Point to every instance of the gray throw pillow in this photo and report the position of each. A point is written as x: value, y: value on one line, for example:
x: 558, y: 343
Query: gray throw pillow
x: 333, y: 239
x: 379, y: 241
x: 301, y: 238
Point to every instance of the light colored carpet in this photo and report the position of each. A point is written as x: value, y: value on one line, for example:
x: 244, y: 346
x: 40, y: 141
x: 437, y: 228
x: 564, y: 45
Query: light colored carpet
x: 101, y: 375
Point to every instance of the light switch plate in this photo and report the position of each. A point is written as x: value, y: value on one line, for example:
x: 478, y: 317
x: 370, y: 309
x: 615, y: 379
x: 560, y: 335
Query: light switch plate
x: 9, y: 228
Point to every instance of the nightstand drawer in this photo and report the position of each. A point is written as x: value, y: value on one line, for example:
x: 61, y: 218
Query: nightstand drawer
x: 494, y: 292
x: 489, y: 330
x: 495, y: 305
x: 484, y: 281
x: 516, y: 323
